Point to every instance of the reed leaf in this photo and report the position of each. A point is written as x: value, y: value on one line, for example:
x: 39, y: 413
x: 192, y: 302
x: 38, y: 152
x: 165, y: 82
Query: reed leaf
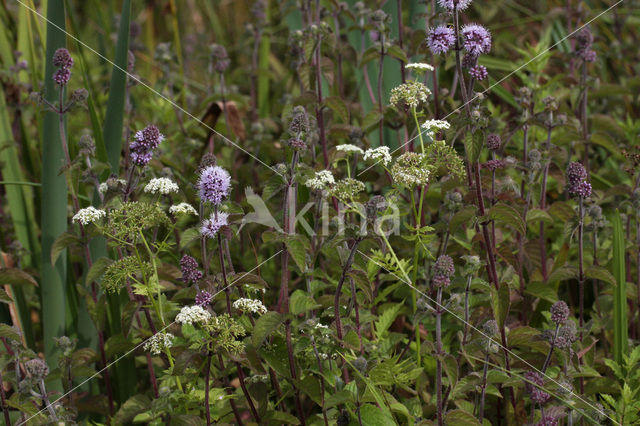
x: 620, y: 320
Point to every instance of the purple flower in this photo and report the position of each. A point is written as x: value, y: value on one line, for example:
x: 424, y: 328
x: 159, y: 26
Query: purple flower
x: 493, y: 165
x: 534, y: 378
x: 61, y: 76
x: 548, y: 421
x: 576, y: 173
x: 440, y: 39
x: 443, y: 270
x: 211, y: 226
x: 62, y: 58
x: 449, y: 4
x: 144, y: 142
x: 189, y: 268
x: 559, y: 312
x: 479, y: 72
x: 493, y: 142
x: 477, y: 39
x: 214, y: 184
x: 203, y: 298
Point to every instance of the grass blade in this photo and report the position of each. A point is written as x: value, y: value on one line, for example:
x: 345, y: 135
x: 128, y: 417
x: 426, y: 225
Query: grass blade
x: 620, y: 321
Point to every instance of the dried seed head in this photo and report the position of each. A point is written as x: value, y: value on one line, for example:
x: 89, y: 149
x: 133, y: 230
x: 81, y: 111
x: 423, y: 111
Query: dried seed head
x: 559, y: 312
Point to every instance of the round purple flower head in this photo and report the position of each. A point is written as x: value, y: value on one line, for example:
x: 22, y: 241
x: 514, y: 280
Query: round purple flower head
x: 144, y: 142
x: 559, y: 312
x: 440, y: 39
x: 534, y: 378
x: 443, y: 270
x: 62, y: 58
x: 576, y: 173
x: 62, y: 76
x: 459, y: 4
x: 203, y: 298
x: 548, y: 421
x: 214, y: 184
x: 493, y: 165
x: 477, y: 39
x: 189, y: 268
x: 493, y: 142
x: 479, y: 72
x: 211, y: 226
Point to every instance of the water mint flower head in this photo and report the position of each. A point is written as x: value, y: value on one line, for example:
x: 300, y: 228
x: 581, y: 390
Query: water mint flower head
x: 62, y: 58
x: 144, y: 142
x: 576, y: 173
x: 443, y: 270
x: 37, y: 368
x: 534, y: 378
x: 559, y: 312
x: 214, y: 184
x: 62, y: 76
x: 440, y: 39
x: 203, y: 298
x: 493, y: 142
x: 189, y: 268
x: 548, y: 421
x: 479, y: 72
x: 476, y: 39
x: 211, y: 226
x: 450, y: 4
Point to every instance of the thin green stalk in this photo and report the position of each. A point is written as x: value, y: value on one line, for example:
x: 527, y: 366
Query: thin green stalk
x: 620, y: 320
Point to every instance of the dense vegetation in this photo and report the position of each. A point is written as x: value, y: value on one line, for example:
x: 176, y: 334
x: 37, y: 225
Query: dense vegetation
x: 320, y: 212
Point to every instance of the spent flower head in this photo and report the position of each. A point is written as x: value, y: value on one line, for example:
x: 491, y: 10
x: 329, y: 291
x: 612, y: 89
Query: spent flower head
x: 410, y: 94
x: 559, y: 312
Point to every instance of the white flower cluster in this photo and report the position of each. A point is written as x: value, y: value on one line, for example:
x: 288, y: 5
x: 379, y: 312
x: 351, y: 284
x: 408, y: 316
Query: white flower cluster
x: 410, y: 94
x: 191, y: 314
x: 250, y: 305
x: 183, y: 208
x: 321, y: 180
x: 162, y: 186
x: 320, y: 325
x: 419, y: 66
x: 88, y: 215
x: 432, y: 125
x: 409, y: 170
x: 347, y: 147
x: 380, y: 153
x: 158, y: 343
x: 104, y: 187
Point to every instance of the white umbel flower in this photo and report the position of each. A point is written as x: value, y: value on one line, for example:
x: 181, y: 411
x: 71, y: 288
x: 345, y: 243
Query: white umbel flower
x: 250, y: 305
x: 162, y: 186
x: 183, y: 208
x: 419, y: 66
x: 191, y: 314
x: 104, y: 187
x: 157, y: 343
x: 436, y: 125
x: 347, y: 147
x: 380, y: 153
x: 321, y: 180
x: 410, y: 94
x: 88, y: 215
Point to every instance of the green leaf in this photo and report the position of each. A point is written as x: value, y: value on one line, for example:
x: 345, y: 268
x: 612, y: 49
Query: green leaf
x: 298, y: 247
x: 500, y: 303
x: 542, y: 290
x: 300, y: 302
x: 14, y: 276
x: 504, y: 214
x: 374, y: 416
x: 8, y: 332
x: 563, y: 273
x: 463, y: 216
x: 599, y: 273
x: 473, y: 143
x: 338, y: 106
x: 398, y: 53
x: 371, y: 120
x: 386, y: 318
x: 265, y: 325
x: 63, y: 241
x: 461, y: 418
x: 4, y: 297
x: 535, y: 215
x: 132, y: 407
x: 282, y: 418
x: 97, y: 269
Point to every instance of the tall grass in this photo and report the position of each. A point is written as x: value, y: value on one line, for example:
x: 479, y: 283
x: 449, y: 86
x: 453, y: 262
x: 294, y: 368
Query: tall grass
x: 620, y: 319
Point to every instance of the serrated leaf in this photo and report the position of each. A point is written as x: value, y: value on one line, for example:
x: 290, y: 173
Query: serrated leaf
x: 463, y: 216
x: 398, y: 53
x: 297, y: 246
x: 461, y: 418
x: 8, y: 332
x: 500, y: 303
x: 542, y: 290
x: 338, y: 106
x: 386, y: 318
x: 504, y: 214
x: 300, y: 302
x: 97, y: 269
x: 132, y: 407
x: 374, y: 416
x: 473, y: 143
x: 599, y: 273
x: 14, y: 276
x: 563, y: 273
x: 63, y: 241
x: 535, y: 215
x: 371, y: 120
x: 265, y: 325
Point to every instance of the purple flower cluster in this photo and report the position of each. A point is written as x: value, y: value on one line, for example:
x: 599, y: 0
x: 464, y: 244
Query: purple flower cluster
x: 440, y: 39
x: 477, y: 39
x: 450, y: 4
x: 443, y: 270
x: 548, y: 421
x: 63, y: 60
x: 577, y: 184
x: 479, y: 72
x: 534, y: 378
x: 584, y: 42
x: 559, y: 312
x: 214, y: 184
x: 211, y: 226
x: 493, y: 165
x: 189, y: 268
x: 144, y: 142
x: 203, y: 298
x: 493, y: 142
